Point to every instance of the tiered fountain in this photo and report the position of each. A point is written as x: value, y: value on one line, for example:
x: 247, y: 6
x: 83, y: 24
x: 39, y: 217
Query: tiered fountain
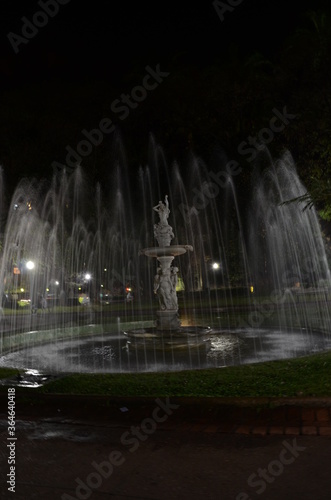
x: 168, y: 330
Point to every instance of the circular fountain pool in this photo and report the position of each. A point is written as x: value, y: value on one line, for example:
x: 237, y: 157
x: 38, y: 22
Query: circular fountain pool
x: 110, y: 353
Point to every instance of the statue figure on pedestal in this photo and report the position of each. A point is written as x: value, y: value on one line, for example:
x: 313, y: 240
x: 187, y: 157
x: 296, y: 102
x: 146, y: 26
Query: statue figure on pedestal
x: 163, y: 211
x: 165, y: 288
x: 162, y: 231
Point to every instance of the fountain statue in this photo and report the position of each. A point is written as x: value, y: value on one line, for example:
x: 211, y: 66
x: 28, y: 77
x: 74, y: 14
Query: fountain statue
x: 165, y: 280
x: 162, y: 231
x: 168, y: 332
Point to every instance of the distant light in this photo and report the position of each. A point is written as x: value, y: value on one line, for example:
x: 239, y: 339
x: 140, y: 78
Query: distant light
x: 22, y: 289
x: 57, y: 283
x: 87, y: 276
x: 105, y: 270
x: 16, y: 206
x: 30, y: 265
x: 252, y: 289
x: 101, y: 286
x: 215, y: 265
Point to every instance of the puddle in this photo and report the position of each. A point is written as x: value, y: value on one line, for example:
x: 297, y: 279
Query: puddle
x: 28, y: 378
x: 61, y: 431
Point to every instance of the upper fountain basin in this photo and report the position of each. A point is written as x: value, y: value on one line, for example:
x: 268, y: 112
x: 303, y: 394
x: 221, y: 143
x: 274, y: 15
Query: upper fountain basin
x: 171, y: 250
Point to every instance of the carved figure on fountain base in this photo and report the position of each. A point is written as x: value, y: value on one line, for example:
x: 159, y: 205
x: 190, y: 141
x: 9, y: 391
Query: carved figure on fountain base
x: 165, y: 288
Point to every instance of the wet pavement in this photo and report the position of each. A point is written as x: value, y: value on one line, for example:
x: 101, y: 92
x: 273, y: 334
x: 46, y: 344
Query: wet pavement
x: 75, y: 447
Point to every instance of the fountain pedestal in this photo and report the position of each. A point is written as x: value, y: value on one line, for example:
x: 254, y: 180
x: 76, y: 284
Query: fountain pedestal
x: 165, y: 283
x: 167, y: 320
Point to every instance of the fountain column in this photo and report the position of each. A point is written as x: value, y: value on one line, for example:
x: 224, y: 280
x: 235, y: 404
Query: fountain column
x: 165, y: 280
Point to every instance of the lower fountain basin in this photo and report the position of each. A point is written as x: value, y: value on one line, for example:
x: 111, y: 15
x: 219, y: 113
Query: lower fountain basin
x: 110, y: 352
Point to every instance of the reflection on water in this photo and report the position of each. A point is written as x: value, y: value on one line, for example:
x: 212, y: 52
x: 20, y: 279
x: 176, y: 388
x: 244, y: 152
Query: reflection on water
x: 110, y: 353
x: 30, y: 378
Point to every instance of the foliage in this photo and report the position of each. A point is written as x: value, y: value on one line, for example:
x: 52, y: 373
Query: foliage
x: 319, y: 196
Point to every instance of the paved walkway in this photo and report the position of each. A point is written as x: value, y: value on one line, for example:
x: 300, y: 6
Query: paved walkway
x: 74, y: 447
x: 263, y: 416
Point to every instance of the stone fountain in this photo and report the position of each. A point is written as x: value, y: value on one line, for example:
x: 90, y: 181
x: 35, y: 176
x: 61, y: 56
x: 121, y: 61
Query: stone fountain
x: 165, y: 280
x: 168, y: 326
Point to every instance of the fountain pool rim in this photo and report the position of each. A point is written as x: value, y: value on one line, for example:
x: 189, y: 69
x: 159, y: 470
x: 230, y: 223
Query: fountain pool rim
x: 84, y: 333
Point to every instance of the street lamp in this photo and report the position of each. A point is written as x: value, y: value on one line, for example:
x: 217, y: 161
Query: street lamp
x: 216, y: 267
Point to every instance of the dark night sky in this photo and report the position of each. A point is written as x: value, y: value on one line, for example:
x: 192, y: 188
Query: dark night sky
x: 104, y: 39
x: 88, y: 46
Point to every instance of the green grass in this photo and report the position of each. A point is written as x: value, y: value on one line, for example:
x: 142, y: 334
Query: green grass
x: 8, y: 372
x: 307, y: 376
